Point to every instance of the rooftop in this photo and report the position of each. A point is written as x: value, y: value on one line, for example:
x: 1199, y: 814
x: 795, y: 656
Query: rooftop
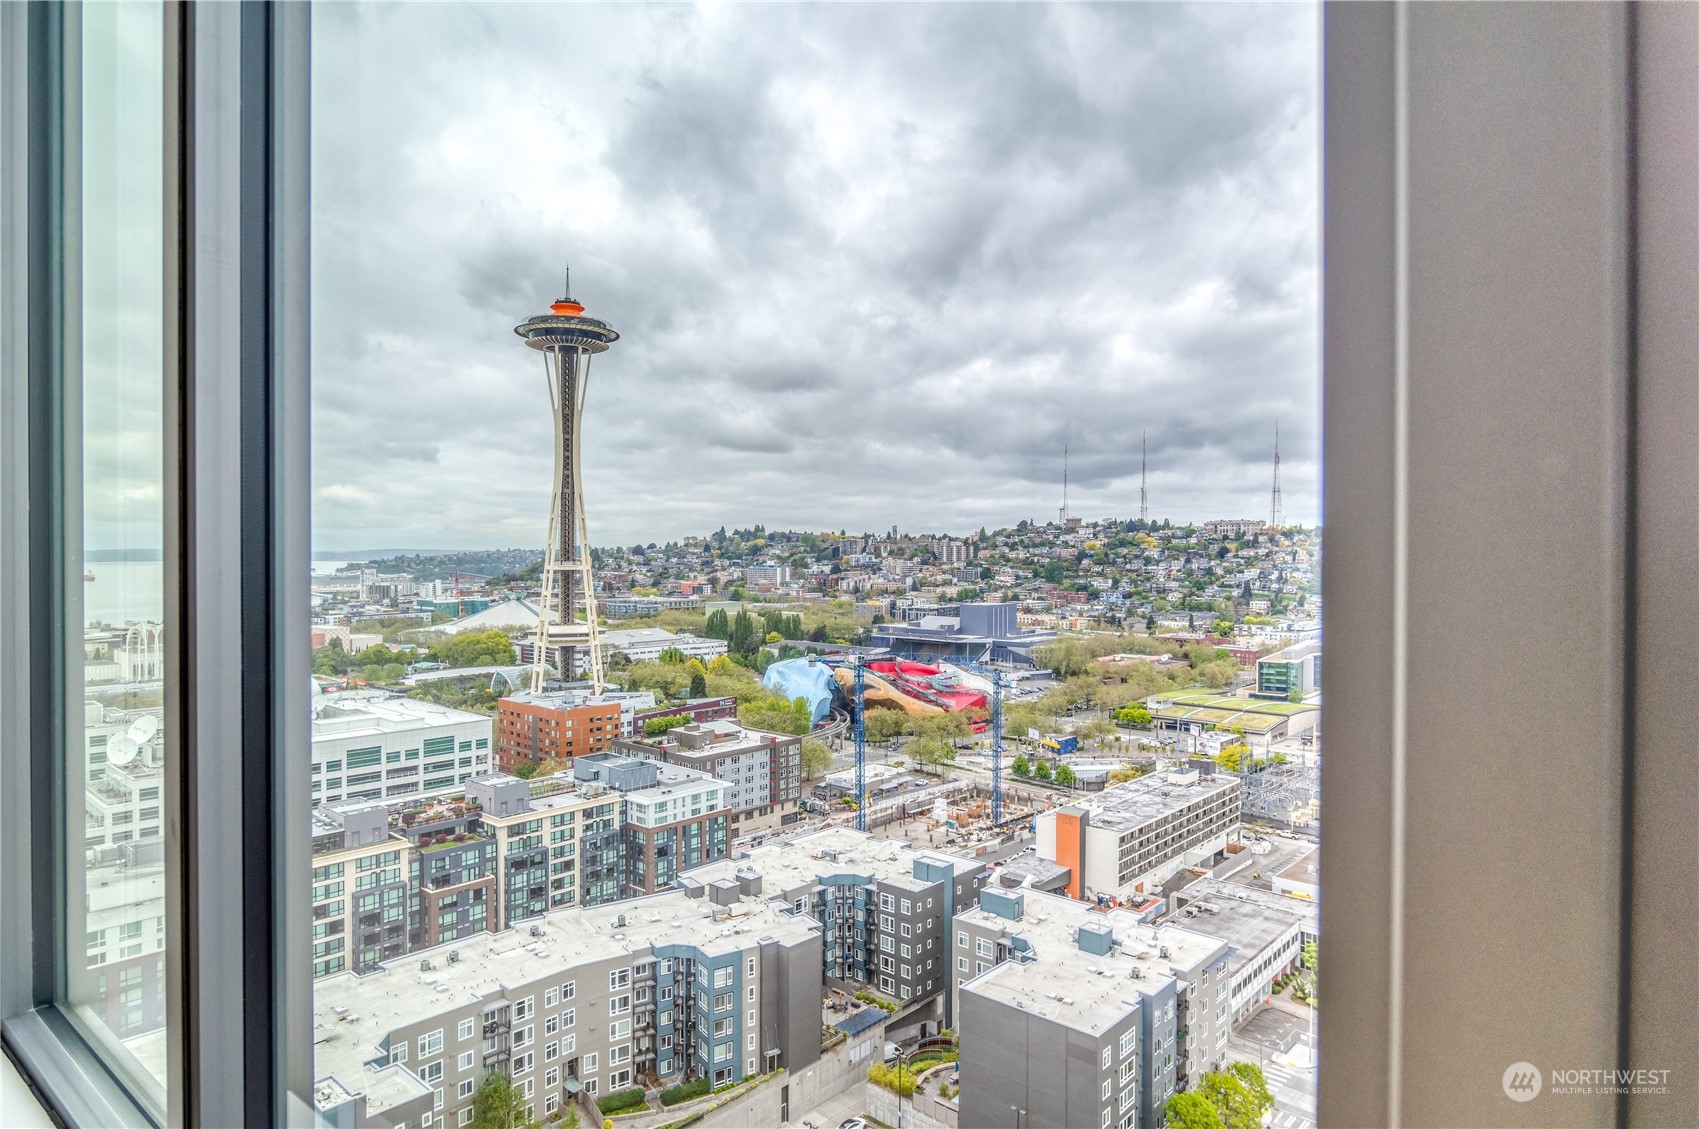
x: 1248, y: 919
x: 1138, y: 802
x: 787, y: 864
x: 360, y: 713
x: 353, y: 1014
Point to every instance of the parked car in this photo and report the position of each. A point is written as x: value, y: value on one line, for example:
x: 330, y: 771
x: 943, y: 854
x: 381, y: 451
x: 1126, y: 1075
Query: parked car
x: 855, y: 1123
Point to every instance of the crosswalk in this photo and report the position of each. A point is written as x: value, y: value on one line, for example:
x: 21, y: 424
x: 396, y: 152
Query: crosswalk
x: 1285, y: 1119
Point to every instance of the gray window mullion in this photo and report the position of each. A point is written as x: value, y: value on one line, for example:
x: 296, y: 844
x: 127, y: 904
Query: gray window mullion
x: 245, y: 539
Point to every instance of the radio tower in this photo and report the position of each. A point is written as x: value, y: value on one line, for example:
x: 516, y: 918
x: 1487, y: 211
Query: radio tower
x: 1274, y: 497
x: 1144, y: 497
x: 1062, y: 510
x: 567, y: 339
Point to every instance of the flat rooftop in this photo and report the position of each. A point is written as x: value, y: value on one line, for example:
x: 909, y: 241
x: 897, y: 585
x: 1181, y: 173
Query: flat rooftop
x: 1149, y: 798
x: 1248, y: 919
x: 1050, y: 923
x: 352, y: 1014
x: 1082, y: 990
x: 787, y: 864
x: 1305, y: 869
x: 352, y: 714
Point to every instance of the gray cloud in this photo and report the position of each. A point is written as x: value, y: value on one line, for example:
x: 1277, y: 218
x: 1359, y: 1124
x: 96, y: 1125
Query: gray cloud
x: 871, y: 265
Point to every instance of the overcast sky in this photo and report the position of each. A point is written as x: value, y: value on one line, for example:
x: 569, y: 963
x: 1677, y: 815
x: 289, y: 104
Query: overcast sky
x: 871, y: 265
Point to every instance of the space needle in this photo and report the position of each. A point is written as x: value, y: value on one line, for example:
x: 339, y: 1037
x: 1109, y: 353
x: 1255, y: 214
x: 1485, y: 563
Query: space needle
x: 567, y: 339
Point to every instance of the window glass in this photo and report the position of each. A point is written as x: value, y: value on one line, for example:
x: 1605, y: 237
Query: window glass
x: 114, y: 536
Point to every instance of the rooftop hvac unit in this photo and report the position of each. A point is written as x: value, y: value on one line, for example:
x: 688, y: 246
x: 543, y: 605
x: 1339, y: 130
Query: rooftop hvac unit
x: 454, y: 956
x: 1138, y: 973
x: 424, y: 966
x: 536, y: 930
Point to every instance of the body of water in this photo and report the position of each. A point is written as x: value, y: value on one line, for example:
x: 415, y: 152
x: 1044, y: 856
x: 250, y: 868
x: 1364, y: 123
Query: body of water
x: 122, y: 591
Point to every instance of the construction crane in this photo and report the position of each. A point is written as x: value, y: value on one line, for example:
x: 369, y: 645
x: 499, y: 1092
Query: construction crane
x: 999, y: 682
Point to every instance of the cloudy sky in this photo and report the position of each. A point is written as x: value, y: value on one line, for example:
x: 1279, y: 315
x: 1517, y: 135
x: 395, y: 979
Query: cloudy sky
x: 871, y: 265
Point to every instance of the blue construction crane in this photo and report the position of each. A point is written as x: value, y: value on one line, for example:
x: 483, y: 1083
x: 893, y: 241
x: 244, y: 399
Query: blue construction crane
x: 860, y: 747
x: 999, y: 681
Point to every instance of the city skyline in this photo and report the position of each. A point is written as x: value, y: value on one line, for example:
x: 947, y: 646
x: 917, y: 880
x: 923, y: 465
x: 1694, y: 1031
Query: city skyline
x: 865, y: 273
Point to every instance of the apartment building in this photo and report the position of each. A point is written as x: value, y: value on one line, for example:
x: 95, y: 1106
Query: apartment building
x: 587, y: 1000
x: 949, y: 552
x: 762, y: 771
x: 1029, y: 925
x: 673, y: 818
x: 1134, y: 836
x: 884, y: 908
x: 561, y: 724
x: 556, y: 845
x: 1091, y: 1022
x: 124, y: 975
x: 767, y: 574
x: 364, y: 888
x: 369, y: 745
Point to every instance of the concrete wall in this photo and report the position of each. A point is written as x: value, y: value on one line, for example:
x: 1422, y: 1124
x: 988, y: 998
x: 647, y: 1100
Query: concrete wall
x: 834, y: 1072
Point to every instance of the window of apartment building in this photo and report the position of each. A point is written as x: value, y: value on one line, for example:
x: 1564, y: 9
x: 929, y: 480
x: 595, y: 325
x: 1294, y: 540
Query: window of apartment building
x: 430, y: 1043
x: 431, y: 1072
x: 464, y: 1091
x: 619, y: 978
x: 465, y: 1029
x: 521, y: 1036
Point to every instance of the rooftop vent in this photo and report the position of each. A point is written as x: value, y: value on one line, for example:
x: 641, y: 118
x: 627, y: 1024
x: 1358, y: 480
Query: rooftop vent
x: 454, y: 956
x: 424, y: 966
x: 536, y: 930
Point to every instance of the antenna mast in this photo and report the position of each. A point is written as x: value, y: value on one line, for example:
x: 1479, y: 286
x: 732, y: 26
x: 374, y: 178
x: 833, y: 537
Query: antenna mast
x: 1274, y: 497
x: 1144, y: 496
x: 1062, y: 511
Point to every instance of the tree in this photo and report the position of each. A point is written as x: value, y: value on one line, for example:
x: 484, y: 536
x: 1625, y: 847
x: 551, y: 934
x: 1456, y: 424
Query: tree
x: 1021, y: 766
x: 525, y: 770
x: 1065, y: 776
x: 1295, y: 696
x: 655, y: 726
x: 1310, y: 956
x: 1239, y: 1094
x: 498, y: 1104
x: 670, y: 656
x: 1130, y: 772
x: 816, y: 758
x: 774, y: 637
x: 884, y: 724
x: 698, y: 683
x: 1042, y: 770
x: 1191, y: 1110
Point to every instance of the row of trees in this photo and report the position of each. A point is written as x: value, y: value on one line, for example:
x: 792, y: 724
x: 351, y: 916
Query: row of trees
x: 1062, y: 774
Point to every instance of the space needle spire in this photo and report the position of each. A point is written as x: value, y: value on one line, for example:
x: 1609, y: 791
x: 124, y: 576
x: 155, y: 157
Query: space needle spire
x: 567, y: 339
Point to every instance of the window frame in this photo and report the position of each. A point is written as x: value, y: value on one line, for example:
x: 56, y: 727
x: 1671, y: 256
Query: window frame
x: 235, y: 544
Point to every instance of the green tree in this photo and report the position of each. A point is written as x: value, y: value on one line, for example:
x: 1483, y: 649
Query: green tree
x: 816, y: 758
x: 498, y: 1104
x: 1239, y: 1094
x: 1065, y: 776
x: 1295, y: 696
x: 1021, y: 766
x: 525, y: 770
x: 1042, y: 770
x: 670, y: 656
x: 1312, y: 973
x: 1191, y: 1110
x: 655, y: 726
x: 699, y: 684
x: 935, y: 736
x: 884, y: 724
